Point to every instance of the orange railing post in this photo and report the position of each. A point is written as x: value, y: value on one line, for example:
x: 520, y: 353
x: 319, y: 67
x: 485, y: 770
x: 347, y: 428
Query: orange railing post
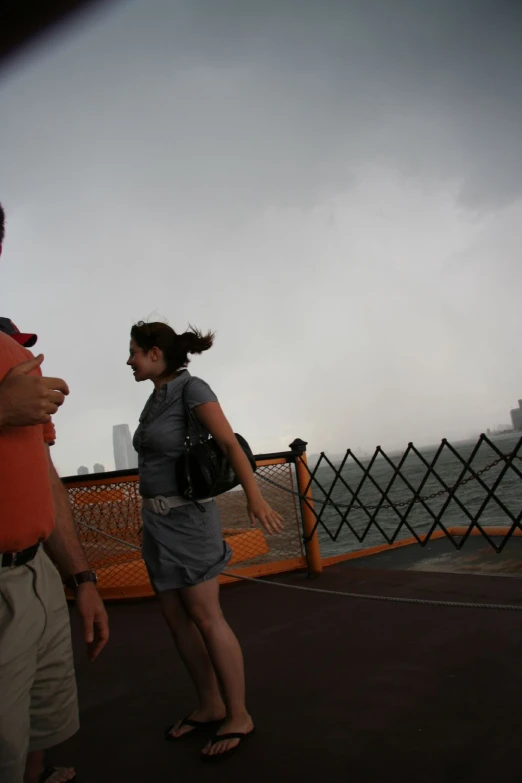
x: 313, y: 550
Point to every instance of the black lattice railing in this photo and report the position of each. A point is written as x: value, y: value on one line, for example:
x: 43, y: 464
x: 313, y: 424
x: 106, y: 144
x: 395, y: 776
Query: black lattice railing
x: 475, y: 487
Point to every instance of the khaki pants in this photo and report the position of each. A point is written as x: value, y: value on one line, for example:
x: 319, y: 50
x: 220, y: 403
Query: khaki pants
x: 38, y: 701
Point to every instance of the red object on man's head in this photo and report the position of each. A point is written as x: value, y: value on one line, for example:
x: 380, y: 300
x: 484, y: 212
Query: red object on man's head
x: 25, y: 339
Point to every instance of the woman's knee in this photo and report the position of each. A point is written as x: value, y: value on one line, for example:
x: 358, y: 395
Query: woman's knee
x: 206, y: 617
x: 173, y: 609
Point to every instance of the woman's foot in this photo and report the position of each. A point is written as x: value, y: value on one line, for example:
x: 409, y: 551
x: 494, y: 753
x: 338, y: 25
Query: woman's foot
x: 243, y: 724
x: 203, y: 716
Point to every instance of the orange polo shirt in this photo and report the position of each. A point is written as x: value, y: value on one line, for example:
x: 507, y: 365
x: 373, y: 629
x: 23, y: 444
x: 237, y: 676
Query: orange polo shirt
x: 26, y: 501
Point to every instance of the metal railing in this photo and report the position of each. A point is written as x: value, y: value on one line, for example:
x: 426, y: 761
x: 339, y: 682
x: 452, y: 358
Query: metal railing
x: 106, y: 508
x: 472, y: 489
x: 330, y: 510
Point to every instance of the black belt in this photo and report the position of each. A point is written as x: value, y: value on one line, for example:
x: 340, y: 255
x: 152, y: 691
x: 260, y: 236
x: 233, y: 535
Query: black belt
x: 14, y: 559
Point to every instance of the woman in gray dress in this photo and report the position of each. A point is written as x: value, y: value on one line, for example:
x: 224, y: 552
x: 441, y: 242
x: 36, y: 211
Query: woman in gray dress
x: 183, y: 546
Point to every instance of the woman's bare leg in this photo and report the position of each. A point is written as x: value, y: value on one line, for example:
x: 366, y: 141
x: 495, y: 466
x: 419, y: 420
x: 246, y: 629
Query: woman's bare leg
x: 193, y: 653
x: 202, y: 604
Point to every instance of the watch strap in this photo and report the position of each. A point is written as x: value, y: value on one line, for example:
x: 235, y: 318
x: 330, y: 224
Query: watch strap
x: 80, y: 578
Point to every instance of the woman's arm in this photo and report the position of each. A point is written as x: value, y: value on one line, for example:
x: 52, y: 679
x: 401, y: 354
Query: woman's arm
x: 213, y: 419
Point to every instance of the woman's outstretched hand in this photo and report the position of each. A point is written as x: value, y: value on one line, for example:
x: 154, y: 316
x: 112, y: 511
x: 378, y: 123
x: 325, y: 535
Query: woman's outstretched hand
x: 259, y: 510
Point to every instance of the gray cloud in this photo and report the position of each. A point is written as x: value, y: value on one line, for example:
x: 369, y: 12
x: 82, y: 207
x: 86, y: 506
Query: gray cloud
x: 281, y: 102
x: 335, y: 187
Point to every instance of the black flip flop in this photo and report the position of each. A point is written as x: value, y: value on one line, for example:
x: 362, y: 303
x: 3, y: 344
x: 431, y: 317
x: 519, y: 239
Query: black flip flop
x: 48, y: 771
x: 241, y: 736
x: 196, y: 725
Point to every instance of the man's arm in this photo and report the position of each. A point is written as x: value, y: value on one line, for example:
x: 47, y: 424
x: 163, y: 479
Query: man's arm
x: 63, y: 546
x: 66, y: 552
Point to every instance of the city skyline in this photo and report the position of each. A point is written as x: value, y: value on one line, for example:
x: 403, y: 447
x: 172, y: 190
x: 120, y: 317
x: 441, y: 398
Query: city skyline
x: 83, y: 470
x: 516, y: 417
x: 125, y: 456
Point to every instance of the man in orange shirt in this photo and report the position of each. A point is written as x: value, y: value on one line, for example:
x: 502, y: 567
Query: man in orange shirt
x: 38, y: 702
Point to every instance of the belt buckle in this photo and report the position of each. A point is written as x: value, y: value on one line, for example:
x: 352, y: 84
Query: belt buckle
x: 161, y: 505
x: 14, y: 560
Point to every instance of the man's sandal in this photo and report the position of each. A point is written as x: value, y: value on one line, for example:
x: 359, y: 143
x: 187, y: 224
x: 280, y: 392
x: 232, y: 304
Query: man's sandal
x: 48, y: 771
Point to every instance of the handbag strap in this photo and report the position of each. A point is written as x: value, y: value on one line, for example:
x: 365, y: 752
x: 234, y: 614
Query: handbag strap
x: 191, y: 418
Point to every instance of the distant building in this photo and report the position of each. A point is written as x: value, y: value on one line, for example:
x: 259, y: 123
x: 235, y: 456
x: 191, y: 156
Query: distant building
x: 82, y: 470
x: 99, y: 468
x: 500, y: 429
x: 516, y: 417
x: 124, y: 455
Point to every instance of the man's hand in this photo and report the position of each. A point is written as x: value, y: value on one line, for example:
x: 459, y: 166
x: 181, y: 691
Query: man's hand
x: 94, y: 618
x: 29, y: 399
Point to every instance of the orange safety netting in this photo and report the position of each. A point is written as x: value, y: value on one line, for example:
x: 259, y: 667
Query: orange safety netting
x: 107, y: 513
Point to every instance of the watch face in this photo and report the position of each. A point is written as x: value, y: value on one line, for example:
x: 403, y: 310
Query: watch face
x: 85, y: 576
x: 79, y: 579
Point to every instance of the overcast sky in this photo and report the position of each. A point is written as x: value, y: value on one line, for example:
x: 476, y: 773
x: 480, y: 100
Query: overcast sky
x: 334, y: 187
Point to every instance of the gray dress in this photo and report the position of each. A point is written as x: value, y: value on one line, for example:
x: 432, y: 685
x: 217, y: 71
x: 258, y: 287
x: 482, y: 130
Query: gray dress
x: 186, y: 546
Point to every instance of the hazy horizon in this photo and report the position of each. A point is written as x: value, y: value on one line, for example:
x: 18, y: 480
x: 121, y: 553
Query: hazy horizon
x: 336, y: 189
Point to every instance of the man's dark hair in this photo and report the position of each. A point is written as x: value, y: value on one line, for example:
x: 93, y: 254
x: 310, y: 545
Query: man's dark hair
x: 2, y: 224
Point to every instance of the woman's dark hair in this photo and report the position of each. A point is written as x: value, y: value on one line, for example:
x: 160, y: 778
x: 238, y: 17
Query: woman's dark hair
x: 175, y: 347
x: 2, y: 224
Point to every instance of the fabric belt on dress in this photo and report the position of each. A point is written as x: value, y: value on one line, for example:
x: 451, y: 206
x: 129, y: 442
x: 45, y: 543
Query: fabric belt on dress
x: 15, y: 559
x: 162, y: 505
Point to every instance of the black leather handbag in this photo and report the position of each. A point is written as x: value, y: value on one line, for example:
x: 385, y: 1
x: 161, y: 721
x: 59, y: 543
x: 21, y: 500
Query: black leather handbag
x: 203, y: 471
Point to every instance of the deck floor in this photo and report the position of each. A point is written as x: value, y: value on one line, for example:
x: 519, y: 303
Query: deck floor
x: 475, y: 557
x: 340, y: 688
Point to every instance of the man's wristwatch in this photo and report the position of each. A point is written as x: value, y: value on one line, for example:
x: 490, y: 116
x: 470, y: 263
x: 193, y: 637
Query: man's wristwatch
x: 76, y: 580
